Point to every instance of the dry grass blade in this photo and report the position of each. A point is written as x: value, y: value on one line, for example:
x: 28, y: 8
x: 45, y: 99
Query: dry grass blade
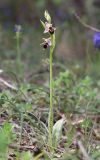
x: 8, y: 85
x: 82, y: 149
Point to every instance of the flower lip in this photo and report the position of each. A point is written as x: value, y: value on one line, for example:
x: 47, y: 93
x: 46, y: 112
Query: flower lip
x: 45, y: 45
x: 96, y: 40
x: 51, y: 30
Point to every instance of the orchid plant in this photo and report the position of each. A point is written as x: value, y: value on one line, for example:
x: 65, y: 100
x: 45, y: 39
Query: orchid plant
x: 49, y: 42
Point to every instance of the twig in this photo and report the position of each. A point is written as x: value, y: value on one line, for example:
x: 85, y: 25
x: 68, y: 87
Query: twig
x: 82, y: 149
x: 22, y: 147
x: 8, y: 85
x: 86, y: 25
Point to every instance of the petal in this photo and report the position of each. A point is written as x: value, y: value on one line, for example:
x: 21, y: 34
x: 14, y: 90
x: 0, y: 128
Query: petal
x: 96, y: 40
x: 49, y: 42
x: 46, y: 30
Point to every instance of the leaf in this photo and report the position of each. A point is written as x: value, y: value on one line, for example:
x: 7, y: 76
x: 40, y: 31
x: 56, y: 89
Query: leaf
x: 96, y: 155
x: 6, y: 137
x: 42, y: 23
x: 57, y: 131
x: 47, y: 16
x: 26, y: 156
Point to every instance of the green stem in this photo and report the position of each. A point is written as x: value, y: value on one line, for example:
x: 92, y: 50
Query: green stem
x: 18, y: 49
x: 50, y: 119
x: 21, y: 129
x: 50, y: 122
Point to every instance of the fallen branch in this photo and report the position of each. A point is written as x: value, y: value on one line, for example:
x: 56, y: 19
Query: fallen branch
x: 86, y: 25
x: 8, y: 85
x: 83, y: 151
x: 32, y: 148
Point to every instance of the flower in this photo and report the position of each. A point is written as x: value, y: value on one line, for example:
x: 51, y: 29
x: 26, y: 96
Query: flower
x: 49, y: 28
x: 46, y: 43
x: 96, y: 40
x: 17, y: 28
